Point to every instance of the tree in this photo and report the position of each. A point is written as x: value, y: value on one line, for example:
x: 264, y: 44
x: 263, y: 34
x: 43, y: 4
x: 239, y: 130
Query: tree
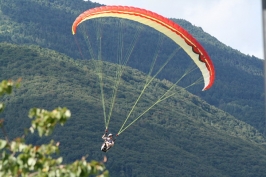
x: 21, y: 159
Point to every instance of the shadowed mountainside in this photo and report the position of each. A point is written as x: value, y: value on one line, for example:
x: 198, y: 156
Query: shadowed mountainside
x: 182, y: 136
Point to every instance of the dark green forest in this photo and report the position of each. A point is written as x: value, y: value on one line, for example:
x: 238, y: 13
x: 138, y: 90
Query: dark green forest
x: 218, y: 132
x: 184, y: 136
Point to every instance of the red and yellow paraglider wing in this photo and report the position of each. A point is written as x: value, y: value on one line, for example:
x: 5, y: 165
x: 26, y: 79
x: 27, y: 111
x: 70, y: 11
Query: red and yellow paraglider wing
x: 179, y: 35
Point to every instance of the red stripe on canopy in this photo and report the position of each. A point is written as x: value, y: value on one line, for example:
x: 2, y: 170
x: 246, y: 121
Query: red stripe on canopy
x: 169, y: 24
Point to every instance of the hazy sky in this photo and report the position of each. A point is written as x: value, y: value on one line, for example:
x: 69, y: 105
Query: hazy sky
x: 236, y: 23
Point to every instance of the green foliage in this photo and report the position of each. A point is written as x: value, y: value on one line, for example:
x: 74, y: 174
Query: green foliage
x: 21, y: 159
x: 45, y: 121
x: 6, y: 88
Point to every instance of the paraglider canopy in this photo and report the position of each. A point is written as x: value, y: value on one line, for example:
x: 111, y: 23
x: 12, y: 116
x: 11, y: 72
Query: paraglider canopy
x: 175, y: 32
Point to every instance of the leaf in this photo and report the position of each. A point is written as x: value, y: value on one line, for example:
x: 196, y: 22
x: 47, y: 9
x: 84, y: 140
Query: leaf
x: 68, y: 113
x: 3, y: 144
x: 31, y: 161
x: 59, y: 160
x: 31, y: 129
x: 1, y: 107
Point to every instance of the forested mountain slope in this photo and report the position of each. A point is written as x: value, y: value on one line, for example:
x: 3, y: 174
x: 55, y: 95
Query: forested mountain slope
x: 238, y: 88
x: 183, y: 136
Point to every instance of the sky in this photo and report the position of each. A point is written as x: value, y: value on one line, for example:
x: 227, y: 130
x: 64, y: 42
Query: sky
x: 236, y: 23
